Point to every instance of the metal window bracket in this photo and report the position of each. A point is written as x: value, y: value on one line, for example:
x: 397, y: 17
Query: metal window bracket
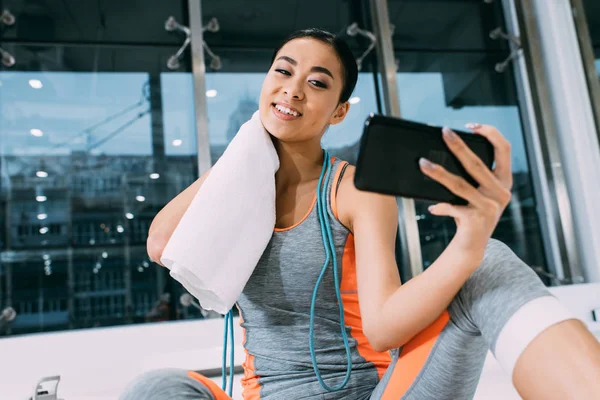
x: 7, y: 59
x: 498, y: 33
x: 7, y: 18
x: 353, y: 30
x: 172, y: 25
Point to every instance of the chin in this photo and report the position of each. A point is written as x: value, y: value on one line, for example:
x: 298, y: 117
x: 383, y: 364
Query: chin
x: 279, y: 132
x: 274, y: 126
x: 285, y: 131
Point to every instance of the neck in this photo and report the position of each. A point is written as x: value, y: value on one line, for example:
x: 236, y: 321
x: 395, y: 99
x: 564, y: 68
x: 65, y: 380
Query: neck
x: 298, y: 162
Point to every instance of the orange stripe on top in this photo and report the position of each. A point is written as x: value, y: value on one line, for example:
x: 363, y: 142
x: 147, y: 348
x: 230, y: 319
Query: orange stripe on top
x: 349, y: 293
x: 334, y: 185
x: 250, y: 385
x: 312, y: 206
x: 215, y: 390
x: 352, y: 316
x: 412, y: 359
x: 303, y: 218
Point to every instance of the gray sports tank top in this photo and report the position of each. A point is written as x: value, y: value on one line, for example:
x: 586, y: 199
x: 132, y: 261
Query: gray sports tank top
x: 275, y: 314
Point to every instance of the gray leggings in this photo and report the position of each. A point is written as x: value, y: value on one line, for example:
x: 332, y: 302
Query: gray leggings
x: 446, y: 360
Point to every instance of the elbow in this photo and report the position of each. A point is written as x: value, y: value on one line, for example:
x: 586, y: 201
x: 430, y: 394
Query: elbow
x: 374, y: 332
x: 380, y: 344
x: 383, y: 337
x: 155, y: 245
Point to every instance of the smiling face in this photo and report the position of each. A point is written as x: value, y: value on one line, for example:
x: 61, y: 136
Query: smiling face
x: 301, y: 92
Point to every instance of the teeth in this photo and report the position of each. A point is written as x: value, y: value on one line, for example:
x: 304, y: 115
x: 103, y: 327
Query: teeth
x: 286, y: 110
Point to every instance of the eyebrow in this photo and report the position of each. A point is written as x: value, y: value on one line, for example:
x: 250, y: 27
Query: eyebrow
x: 313, y: 69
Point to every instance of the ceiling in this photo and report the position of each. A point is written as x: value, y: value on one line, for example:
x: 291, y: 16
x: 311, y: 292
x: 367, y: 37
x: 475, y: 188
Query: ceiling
x: 420, y: 25
x: 449, y: 36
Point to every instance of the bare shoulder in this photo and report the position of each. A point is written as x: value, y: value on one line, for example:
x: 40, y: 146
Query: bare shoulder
x: 354, y: 203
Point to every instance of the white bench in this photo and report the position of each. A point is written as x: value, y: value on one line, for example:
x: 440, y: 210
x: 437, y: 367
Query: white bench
x: 96, y: 364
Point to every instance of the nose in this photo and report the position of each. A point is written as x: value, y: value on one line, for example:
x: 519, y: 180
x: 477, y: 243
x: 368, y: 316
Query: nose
x: 294, y: 89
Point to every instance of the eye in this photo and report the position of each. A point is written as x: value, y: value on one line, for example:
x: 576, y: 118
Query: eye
x: 318, y: 84
x: 283, y: 72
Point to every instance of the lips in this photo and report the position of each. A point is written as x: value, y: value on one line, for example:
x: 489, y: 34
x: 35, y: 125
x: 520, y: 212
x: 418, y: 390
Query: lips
x: 283, y: 115
x: 287, y: 109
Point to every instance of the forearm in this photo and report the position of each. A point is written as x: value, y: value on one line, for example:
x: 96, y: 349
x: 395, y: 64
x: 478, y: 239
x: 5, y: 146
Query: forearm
x: 164, y: 223
x: 420, y: 301
x: 168, y: 218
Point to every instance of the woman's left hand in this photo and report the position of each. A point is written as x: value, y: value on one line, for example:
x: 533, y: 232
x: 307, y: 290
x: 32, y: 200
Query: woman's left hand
x: 476, y: 221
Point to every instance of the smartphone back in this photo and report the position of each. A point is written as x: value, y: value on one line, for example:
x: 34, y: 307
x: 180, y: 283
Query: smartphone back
x: 388, y: 159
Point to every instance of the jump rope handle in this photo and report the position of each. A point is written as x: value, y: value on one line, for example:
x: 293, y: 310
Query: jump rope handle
x: 228, y: 328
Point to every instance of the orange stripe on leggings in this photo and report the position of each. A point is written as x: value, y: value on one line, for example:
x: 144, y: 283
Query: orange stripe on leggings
x: 215, y: 390
x: 412, y: 359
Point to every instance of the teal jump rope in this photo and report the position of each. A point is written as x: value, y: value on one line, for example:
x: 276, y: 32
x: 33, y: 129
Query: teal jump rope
x: 330, y: 254
x: 228, y: 328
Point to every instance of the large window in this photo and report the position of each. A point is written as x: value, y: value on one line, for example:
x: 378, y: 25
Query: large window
x: 96, y: 135
x: 447, y: 77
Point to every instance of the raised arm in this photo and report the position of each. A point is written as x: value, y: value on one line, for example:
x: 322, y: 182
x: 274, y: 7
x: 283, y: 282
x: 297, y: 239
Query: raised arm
x: 392, y: 314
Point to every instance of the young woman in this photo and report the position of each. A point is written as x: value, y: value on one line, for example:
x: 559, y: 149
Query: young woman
x: 476, y: 296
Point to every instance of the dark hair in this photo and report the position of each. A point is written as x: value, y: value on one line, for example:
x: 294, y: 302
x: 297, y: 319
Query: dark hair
x: 349, y: 66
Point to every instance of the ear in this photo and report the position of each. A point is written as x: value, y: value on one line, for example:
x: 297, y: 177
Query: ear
x: 340, y: 113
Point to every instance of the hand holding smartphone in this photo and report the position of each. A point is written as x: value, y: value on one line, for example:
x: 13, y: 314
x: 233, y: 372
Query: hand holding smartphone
x: 389, y: 154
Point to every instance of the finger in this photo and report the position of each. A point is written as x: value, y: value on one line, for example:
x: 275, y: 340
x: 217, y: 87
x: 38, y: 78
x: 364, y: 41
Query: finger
x: 446, y: 210
x: 470, y: 161
x: 454, y: 183
x: 502, y: 152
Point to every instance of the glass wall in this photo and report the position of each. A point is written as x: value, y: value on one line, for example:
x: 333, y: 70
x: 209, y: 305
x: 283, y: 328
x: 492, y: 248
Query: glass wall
x: 96, y: 135
x: 447, y: 77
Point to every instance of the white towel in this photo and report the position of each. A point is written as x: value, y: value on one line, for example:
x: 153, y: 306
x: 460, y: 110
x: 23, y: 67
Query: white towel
x: 221, y: 237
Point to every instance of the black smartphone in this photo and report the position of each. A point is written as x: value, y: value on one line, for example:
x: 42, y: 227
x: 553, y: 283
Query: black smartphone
x: 389, y: 153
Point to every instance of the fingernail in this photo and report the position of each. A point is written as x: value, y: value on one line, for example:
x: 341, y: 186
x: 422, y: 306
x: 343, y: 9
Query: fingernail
x: 448, y: 133
x: 425, y: 163
x: 473, y: 125
x: 430, y: 208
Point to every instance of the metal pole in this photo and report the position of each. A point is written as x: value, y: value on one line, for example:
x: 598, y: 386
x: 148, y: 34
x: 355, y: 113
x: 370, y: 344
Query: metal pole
x: 9, y: 290
x: 198, y: 74
x: 578, y: 141
x: 158, y: 127
x: 70, y: 286
x: 540, y: 139
x: 407, y: 221
x: 127, y: 239
x: 575, y: 142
